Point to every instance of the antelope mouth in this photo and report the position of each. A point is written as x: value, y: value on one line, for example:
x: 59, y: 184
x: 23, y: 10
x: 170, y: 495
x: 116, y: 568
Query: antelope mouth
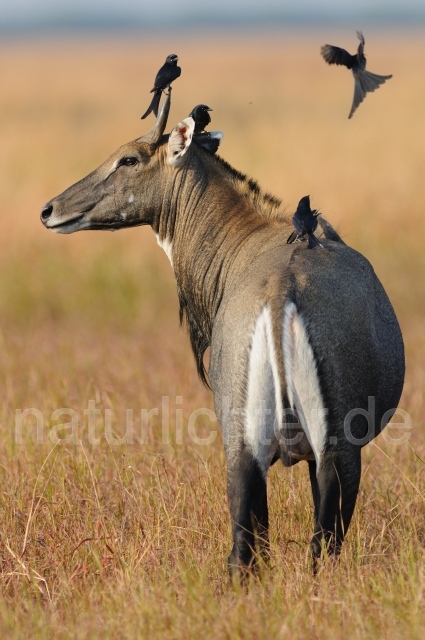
x: 68, y: 226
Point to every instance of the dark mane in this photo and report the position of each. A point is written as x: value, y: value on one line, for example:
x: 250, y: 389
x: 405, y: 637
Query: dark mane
x: 265, y: 203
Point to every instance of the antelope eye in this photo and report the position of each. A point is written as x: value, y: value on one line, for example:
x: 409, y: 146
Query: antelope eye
x: 128, y: 161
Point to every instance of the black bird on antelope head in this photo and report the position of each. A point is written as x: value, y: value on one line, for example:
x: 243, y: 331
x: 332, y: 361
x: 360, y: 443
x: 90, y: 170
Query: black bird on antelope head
x: 201, y: 117
x: 364, y: 81
x: 169, y: 72
x: 305, y: 223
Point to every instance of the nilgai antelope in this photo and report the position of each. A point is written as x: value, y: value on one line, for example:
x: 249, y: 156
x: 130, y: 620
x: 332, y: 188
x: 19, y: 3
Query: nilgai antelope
x: 303, y: 342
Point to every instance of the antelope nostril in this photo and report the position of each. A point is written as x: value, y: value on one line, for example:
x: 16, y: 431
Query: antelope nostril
x: 46, y: 212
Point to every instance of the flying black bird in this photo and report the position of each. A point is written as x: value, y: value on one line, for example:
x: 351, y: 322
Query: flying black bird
x: 201, y: 116
x: 165, y: 76
x: 305, y: 223
x: 364, y: 81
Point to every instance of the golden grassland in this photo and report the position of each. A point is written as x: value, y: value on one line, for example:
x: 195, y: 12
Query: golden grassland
x: 117, y: 541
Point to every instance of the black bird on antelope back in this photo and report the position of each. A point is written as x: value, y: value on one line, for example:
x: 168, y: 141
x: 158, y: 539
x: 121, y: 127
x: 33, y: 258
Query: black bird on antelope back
x: 364, y: 81
x: 305, y: 223
x: 201, y: 117
x: 165, y: 76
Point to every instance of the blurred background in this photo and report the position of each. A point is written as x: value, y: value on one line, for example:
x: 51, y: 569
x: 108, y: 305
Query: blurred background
x: 35, y: 14
x: 74, y: 82
x: 94, y: 317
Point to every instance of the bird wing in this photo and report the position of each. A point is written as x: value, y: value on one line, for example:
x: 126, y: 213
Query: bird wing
x: 166, y: 75
x: 207, y: 119
x: 336, y: 55
x: 161, y: 76
x: 360, y: 36
x: 293, y: 237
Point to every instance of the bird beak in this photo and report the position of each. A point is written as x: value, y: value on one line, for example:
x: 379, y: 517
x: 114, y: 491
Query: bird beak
x: 209, y: 109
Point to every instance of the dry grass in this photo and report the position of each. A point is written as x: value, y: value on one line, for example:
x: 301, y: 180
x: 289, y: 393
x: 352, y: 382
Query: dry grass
x: 119, y: 541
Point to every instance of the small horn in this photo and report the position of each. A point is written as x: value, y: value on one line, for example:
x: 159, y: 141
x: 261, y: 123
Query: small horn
x: 154, y: 135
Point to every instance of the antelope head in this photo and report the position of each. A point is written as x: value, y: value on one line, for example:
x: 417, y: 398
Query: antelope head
x: 123, y: 191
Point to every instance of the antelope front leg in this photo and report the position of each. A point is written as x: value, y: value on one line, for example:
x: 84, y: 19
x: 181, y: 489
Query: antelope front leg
x: 247, y: 492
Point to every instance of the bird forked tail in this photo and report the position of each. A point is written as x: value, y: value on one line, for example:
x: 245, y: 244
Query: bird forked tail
x: 154, y: 105
x: 365, y: 82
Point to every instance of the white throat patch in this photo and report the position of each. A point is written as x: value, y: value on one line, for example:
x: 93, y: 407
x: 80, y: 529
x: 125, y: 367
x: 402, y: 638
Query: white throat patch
x: 167, y: 246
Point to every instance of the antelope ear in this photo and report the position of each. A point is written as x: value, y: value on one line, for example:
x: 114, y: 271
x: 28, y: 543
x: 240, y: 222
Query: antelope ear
x: 179, y: 140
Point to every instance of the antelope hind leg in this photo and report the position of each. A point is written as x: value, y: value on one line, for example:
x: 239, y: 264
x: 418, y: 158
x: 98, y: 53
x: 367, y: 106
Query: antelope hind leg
x: 335, y: 483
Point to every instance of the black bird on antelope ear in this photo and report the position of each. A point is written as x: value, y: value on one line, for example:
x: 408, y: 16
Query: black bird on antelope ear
x: 364, y: 81
x: 169, y: 72
x: 201, y: 117
x: 305, y: 223
x: 209, y: 140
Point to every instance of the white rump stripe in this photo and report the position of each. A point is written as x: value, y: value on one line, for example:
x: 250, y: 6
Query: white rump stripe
x: 264, y: 407
x: 302, y: 380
